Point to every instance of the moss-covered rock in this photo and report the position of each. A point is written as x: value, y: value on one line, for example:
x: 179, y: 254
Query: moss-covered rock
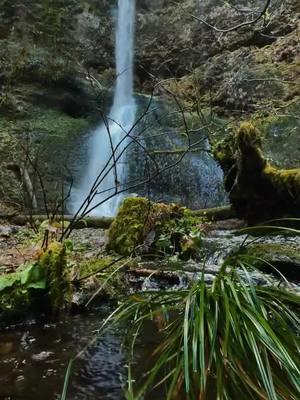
x: 102, y: 277
x: 158, y: 229
x: 138, y: 223
x: 275, y: 258
x: 43, y: 134
x: 259, y: 190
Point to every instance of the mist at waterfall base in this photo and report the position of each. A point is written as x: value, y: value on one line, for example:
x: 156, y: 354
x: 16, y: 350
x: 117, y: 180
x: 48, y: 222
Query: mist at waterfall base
x: 107, y: 144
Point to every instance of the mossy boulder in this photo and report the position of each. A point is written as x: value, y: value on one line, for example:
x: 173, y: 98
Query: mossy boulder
x: 275, y: 258
x: 138, y: 223
x: 156, y: 229
x: 259, y: 190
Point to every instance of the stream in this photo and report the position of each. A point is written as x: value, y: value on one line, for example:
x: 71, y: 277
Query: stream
x: 34, y: 354
x: 34, y: 357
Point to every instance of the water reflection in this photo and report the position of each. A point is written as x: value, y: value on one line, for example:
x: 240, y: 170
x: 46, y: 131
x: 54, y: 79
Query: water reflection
x: 33, y: 360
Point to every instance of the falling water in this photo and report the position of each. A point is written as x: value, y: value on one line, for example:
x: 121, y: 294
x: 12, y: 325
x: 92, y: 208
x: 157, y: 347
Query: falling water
x: 107, y: 164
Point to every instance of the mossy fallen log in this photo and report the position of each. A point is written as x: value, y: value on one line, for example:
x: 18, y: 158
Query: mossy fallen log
x: 215, y: 214
x: 87, y: 222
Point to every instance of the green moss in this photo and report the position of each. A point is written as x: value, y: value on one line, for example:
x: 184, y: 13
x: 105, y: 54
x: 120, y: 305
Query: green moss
x: 285, y: 182
x: 50, y: 135
x: 136, y: 219
x: 99, y: 273
x: 43, y: 121
x: 127, y: 230
x: 53, y: 260
x: 259, y: 190
x: 94, y: 265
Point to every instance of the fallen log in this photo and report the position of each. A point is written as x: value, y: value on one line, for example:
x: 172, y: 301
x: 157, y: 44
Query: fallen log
x: 215, y: 214
x: 87, y: 222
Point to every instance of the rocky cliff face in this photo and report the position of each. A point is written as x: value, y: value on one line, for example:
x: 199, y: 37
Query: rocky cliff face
x: 49, y: 48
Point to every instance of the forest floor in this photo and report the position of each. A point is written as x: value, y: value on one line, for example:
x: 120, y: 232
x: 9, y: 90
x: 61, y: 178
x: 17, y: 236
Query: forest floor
x: 20, y: 244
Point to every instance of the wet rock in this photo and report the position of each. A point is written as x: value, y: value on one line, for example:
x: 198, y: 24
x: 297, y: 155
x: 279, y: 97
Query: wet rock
x: 42, y: 356
x: 7, y: 230
x: 279, y: 259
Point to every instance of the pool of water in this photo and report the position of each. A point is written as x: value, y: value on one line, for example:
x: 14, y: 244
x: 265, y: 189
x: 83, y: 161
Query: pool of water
x: 34, y: 357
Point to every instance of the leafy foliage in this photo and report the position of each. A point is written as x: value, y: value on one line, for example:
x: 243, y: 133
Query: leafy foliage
x: 30, y: 277
x: 182, y: 236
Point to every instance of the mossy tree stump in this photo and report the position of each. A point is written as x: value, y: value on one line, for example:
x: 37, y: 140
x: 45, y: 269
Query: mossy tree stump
x: 258, y: 190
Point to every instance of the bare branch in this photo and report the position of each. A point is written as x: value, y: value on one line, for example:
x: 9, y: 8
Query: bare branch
x: 238, y: 26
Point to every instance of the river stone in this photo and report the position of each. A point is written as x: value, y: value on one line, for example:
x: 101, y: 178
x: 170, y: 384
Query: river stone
x: 6, y: 231
x: 42, y: 356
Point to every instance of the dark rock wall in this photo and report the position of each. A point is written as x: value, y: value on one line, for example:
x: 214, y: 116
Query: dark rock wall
x: 48, y: 101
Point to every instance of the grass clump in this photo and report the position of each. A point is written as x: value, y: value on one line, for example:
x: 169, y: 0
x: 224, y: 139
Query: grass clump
x: 231, y: 340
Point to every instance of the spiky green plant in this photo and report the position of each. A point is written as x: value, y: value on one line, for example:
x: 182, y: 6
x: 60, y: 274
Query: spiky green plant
x: 230, y: 340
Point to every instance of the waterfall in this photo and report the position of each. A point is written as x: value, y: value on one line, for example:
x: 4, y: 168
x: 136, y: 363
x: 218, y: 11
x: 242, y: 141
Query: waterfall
x: 105, y: 141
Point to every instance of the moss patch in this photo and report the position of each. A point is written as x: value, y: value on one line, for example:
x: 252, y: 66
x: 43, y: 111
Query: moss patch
x: 92, y: 266
x: 137, y: 220
x: 45, y: 135
x: 54, y: 262
x: 259, y: 190
x: 99, y: 273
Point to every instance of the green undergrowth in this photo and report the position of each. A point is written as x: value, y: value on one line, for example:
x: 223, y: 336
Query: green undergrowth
x: 43, y: 281
x: 93, y: 266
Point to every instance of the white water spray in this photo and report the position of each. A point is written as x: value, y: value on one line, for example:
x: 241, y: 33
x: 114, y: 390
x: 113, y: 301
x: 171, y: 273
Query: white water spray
x: 106, y: 142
